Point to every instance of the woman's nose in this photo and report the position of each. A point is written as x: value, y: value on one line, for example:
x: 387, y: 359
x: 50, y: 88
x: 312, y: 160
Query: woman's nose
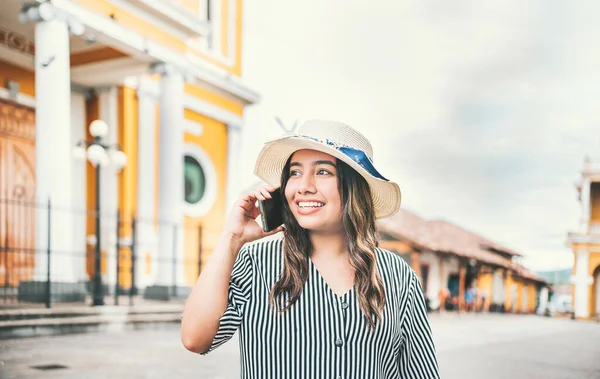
x: 307, y: 184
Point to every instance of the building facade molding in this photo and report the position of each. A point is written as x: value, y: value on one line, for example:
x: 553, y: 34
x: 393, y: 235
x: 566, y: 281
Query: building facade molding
x: 45, y: 11
x: 175, y: 22
x: 20, y: 99
x: 121, y: 37
x: 150, y: 88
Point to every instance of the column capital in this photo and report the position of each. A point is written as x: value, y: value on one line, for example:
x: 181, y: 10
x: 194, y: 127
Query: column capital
x: 104, y: 89
x: 234, y: 127
x: 46, y: 12
x: 166, y: 69
x: 37, y: 12
x: 147, y: 89
x: 584, y: 280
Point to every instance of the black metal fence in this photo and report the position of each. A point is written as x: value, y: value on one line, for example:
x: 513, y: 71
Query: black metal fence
x: 48, y: 257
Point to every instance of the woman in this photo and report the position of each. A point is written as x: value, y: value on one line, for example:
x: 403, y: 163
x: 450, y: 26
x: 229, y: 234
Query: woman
x: 325, y: 301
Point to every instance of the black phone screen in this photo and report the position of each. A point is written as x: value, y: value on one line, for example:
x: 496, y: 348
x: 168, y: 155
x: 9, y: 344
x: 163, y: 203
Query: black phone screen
x: 271, y: 211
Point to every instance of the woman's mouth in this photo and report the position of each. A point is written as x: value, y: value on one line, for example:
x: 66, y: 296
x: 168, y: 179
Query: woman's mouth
x: 306, y: 208
x: 310, y: 204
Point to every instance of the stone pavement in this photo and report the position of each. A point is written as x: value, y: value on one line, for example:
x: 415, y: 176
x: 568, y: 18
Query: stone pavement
x: 469, y: 346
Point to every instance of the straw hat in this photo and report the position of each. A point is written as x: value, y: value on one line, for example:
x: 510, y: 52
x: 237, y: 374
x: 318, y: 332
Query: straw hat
x: 338, y: 140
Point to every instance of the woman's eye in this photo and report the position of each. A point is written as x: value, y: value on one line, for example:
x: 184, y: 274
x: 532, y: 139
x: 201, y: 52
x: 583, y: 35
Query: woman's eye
x: 323, y: 172
x: 294, y: 173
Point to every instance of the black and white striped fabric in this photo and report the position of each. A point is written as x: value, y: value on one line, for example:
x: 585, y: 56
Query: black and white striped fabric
x: 323, y: 335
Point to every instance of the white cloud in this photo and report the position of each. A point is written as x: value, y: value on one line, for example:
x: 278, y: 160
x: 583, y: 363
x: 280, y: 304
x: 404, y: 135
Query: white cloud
x: 482, y: 111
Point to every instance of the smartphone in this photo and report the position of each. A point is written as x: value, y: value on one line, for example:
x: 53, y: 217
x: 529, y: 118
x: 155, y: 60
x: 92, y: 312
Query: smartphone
x: 271, y: 211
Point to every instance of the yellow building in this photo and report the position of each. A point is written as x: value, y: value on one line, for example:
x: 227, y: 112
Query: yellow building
x: 447, y: 256
x: 586, y: 245
x: 164, y: 76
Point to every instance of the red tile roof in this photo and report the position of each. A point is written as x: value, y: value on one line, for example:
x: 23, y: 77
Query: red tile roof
x: 446, y: 237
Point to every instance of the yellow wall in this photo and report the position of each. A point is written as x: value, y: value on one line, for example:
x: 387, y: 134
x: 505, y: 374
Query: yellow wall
x: 147, y: 29
x: 214, y: 98
x: 508, y: 298
x: 531, y: 297
x: 237, y: 68
x: 134, y: 22
x: 213, y: 141
x: 91, y: 113
x: 485, y: 282
x: 127, y: 180
x: 128, y: 141
x: 519, y: 302
x: 24, y: 77
x: 594, y: 262
x: 397, y: 246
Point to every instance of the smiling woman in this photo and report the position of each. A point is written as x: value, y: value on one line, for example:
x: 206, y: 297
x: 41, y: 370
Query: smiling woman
x: 324, y: 302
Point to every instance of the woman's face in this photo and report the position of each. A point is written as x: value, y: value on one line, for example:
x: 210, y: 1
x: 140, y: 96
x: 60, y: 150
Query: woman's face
x: 312, y: 191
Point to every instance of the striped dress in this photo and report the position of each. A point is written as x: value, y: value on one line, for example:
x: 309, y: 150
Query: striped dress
x: 323, y: 335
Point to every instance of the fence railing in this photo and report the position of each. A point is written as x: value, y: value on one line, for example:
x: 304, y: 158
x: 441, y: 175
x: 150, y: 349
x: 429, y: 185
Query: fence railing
x: 48, y: 256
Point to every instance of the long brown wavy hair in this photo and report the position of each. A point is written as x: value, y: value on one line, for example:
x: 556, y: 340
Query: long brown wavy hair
x: 359, y: 224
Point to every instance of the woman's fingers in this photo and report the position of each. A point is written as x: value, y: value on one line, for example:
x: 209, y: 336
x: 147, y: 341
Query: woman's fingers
x: 266, y: 192
x: 254, y: 212
x: 262, y: 193
x: 274, y: 231
x: 249, y: 201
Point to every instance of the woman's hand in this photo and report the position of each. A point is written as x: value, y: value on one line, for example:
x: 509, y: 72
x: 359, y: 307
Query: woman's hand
x: 241, y: 224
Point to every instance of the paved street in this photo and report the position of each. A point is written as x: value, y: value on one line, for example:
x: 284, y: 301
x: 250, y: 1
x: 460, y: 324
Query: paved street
x: 469, y: 346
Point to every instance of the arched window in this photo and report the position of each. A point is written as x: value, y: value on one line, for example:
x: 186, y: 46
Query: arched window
x: 201, y: 181
x: 195, y: 180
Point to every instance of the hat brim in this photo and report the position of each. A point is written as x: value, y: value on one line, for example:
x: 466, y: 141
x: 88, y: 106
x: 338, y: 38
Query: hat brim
x: 273, y: 156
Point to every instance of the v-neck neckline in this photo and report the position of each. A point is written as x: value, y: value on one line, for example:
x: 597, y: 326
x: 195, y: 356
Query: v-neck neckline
x: 322, y: 279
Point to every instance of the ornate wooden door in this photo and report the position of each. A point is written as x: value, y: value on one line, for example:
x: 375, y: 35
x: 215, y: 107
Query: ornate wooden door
x: 17, y: 193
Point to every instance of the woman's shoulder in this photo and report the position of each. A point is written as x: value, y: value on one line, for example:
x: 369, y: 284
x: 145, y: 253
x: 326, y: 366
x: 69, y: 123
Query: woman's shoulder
x: 263, y: 250
x: 273, y: 244
x: 389, y: 258
x: 392, y: 264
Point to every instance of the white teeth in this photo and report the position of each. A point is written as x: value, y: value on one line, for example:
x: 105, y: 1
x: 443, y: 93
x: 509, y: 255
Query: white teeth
x: 310, y: 204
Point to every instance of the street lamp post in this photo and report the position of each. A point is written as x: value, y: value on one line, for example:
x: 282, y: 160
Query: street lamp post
x: 96, y: 154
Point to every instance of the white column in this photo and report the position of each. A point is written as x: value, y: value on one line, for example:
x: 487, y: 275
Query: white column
x: 433, y: 278
x: 147, y: 240
x: 543, y: 303
x: 234, y: 147
x: 54, y: 150
x: 498, y: 288
x: 585, y: 205
x: 170, y: 173
x: 108, y: 112
x: 79, y: 187
x: 582, y: 282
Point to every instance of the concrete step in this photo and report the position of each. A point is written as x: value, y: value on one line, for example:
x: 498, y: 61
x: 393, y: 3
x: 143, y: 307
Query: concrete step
x: 43, y: 322
x: 79, y: 311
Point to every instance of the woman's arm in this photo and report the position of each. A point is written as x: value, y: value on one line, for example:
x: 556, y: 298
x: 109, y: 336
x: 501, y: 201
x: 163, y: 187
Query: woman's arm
x: 418, y: 358
x: 209, y: 298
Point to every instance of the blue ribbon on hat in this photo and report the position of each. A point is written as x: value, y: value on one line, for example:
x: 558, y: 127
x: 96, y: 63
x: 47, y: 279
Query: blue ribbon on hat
x: 356, y: 155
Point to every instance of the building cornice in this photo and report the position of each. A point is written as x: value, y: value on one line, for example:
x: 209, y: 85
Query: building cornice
x: 145, y: 49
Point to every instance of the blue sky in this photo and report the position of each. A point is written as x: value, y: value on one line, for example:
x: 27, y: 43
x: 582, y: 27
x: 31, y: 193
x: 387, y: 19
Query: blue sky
x: 481, y: 111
